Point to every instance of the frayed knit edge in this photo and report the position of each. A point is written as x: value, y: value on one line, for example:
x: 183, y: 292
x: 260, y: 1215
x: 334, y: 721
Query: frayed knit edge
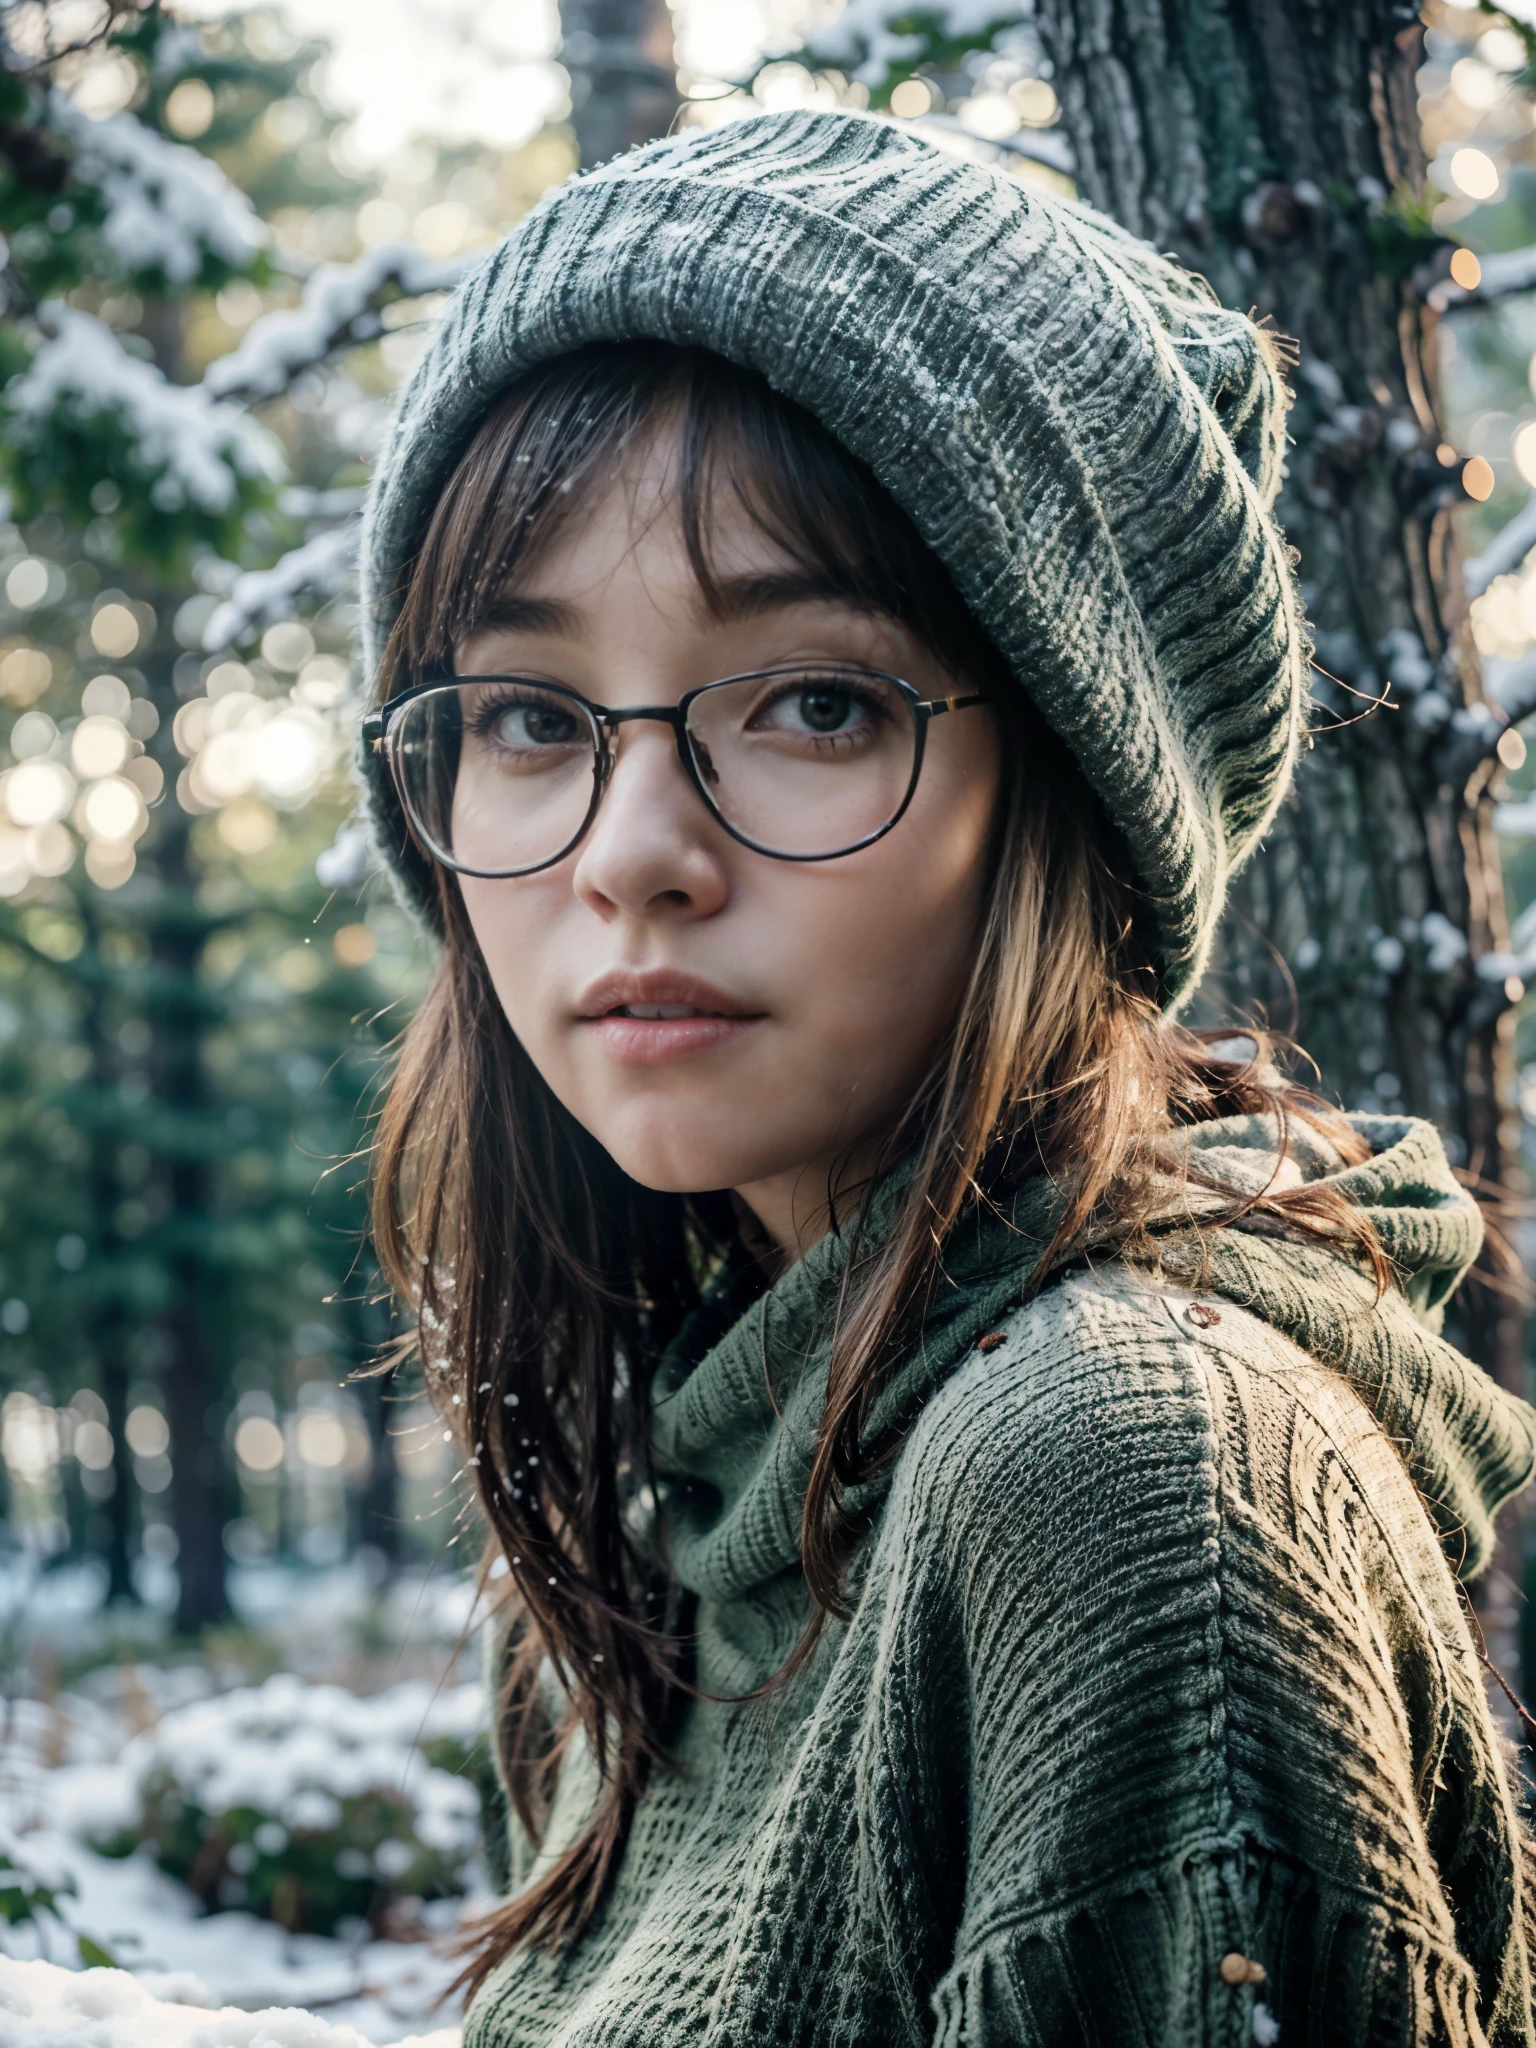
x: 1350, y: 1974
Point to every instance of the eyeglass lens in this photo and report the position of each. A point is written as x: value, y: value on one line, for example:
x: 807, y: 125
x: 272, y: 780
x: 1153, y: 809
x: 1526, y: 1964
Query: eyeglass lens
x: 499, y: 776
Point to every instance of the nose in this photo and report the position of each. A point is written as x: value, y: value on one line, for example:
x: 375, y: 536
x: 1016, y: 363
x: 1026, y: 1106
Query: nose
x: 653, y: 849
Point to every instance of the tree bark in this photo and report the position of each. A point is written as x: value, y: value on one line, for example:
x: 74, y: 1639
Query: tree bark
x: 1275, y: 149
x: 179, y: 1013
x: 623, y: 78
x: 107, y: 1322
x: 366, y: 1319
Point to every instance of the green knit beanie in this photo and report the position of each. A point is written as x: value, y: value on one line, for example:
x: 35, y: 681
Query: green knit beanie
x: 1087, y: 442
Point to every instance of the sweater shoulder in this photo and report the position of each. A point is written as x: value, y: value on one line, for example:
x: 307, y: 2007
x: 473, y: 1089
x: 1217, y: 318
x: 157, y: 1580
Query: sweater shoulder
x: 1098, y: 1360
x: 1137, y: 1410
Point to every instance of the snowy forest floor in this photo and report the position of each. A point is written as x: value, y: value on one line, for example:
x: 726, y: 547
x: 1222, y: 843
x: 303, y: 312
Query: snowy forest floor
x: 86, y: 1692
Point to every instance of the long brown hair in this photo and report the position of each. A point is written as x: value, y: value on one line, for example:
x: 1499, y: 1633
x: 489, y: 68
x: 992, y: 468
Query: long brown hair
x: 545, y: 1283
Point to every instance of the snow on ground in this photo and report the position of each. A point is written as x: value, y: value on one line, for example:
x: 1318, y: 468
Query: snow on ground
x: 43, y: 2006
x: 383, y: 1990
x: 310, y: 1616
x: 69, y: 1774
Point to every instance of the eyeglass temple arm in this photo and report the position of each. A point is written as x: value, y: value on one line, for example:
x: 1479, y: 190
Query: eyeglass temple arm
x: 935, y: 707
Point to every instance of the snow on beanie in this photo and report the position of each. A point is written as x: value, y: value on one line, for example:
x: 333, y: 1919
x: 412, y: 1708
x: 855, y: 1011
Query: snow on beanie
x: 1083, y: 437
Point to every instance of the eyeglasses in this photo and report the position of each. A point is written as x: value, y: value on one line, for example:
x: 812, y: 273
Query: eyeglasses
x: 501, y: 775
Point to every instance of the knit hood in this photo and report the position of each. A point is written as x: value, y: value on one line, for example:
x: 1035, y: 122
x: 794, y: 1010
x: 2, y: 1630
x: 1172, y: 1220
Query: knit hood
x: 734, y: 1426
x: 1086, y: 440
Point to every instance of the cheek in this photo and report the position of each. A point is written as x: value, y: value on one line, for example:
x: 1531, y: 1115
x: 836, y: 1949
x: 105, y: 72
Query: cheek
x: 513, y: 925
x: 886, y: 957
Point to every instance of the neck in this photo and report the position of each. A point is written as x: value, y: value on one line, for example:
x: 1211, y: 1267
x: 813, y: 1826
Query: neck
x: 793, y: 1210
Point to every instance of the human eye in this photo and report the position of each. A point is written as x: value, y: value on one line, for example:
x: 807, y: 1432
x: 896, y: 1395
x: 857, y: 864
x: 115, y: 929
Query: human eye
x: 825, y: 710
x: 526, y: 727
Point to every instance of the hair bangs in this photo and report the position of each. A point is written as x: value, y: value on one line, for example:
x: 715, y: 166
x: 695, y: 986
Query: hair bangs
x: 559, y: 438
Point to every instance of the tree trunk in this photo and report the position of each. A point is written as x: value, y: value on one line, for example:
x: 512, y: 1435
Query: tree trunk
x: 623, y: 79
x: 367, y: 1324
x: 107, y: 1322
x: 179, y: 1013
x: 1276, y: 150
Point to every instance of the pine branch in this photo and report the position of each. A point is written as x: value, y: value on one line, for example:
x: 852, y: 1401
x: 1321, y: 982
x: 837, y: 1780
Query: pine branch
x: 323, y: 566
x: 1507, y: 550
x: 340, y: 308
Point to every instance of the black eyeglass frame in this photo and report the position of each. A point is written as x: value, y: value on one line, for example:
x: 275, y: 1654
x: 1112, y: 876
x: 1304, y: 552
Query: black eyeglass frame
x: 605, y: 720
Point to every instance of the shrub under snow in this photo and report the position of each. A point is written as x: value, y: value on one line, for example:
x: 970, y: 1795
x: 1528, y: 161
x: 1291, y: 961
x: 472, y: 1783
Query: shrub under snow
x: 308, y: 1804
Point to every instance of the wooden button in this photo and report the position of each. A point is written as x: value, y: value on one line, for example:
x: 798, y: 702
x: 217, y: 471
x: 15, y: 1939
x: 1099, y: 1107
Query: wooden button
x: 1202, y: 1313
x: 1237, y: 1969
x: 992, y: 1339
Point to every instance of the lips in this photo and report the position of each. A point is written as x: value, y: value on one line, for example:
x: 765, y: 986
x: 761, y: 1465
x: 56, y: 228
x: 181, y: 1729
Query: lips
x: 653, y: 1018
x: 657, y: 995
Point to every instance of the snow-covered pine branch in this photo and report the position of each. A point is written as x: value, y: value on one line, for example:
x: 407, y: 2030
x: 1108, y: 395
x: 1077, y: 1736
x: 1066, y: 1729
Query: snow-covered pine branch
x: 196, y: 451
x: 323, y: 568
x: 166, y: 208
x: 1507, y: 550
x: 339, y: 308
x: 872, y: 38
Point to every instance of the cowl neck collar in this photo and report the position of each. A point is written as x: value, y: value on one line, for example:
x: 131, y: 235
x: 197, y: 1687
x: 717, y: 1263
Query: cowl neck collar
x: 738, y: 1395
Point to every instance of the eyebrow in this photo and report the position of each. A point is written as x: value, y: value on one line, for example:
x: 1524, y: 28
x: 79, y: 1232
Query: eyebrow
x: 730, y: 600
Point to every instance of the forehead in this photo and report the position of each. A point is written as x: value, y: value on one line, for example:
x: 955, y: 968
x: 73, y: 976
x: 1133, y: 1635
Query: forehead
x: 623, y: 561
x: 632, y: 524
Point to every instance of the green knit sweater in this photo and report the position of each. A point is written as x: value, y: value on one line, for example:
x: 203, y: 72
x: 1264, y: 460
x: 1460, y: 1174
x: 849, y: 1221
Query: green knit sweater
x: 1155, y: 1661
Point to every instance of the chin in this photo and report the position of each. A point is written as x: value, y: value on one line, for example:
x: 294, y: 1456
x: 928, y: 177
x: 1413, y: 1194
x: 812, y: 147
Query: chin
x: 667, y: 1170
x: 674, y: 1161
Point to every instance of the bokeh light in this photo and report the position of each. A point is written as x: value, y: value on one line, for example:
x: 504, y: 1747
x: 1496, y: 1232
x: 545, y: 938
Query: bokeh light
x: 147, y: 1432
x: 109, y: 864
x: 107, y: 697
x: 37, y: 792
x: 189, y: 109
x: 259, y: 1444
x: 114, y: 631
x: 321, y: 1438
x: 28, y: 583
x: 1477, y: 479
x: 911, y: 99
x: 112, y: 810
x: 1475, y: 173
x: 24, y: 675
x: 98, y: 746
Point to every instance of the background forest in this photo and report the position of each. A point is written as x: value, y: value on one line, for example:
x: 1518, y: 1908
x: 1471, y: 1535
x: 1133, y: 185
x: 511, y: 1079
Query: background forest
x: 240, y: 1743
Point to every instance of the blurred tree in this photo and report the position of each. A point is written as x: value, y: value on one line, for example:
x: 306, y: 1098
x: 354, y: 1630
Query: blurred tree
x: 623, y: 75
x: 164, y: 919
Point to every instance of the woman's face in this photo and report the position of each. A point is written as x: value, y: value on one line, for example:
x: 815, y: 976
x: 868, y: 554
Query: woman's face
x: 816, y: 993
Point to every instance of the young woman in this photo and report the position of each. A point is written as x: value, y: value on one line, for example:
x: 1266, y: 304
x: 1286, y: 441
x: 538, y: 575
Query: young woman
x: 980, y: 1488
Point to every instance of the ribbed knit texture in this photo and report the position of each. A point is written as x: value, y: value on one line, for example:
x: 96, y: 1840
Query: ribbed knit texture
x: 1155, y: 1655
x: 1086, y: 440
